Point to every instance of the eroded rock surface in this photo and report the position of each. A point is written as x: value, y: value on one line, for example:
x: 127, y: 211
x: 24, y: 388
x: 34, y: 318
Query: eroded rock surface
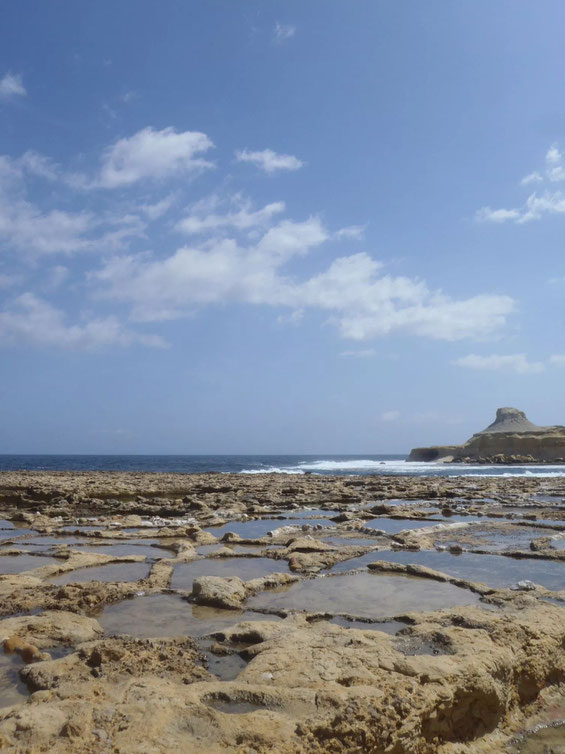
x: 458, y: 680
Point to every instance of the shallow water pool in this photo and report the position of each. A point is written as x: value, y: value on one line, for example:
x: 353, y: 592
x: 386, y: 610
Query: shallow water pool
x: 261, y: 527
x: 12, y: 689
x: 366, y: 595
x: 168, y: 615
x: 243, y: 568
x: 112, y: 572
x: 496, y: 571
x: 17, y: 563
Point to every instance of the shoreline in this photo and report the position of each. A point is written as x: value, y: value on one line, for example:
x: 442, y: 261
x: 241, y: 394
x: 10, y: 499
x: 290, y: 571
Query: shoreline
x: 284, y: 610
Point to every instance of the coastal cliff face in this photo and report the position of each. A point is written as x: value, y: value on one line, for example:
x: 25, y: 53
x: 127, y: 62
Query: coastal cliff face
x: 511, y: 438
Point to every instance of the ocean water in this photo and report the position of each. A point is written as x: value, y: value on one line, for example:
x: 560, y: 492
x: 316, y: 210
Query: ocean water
x: 256, y: 464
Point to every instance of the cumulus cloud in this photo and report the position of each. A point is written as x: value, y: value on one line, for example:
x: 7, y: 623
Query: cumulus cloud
x: 11, y: 85
x: 390, y: 416
x: 359, y: 300
x: 33, y: 321
x: 549, y: 202
x: 150, y: 154
x: 25, y: 227
x: 517, y: 362
x: 269, y: 161
x: 234, y: 253
x: 284, y: 32
x: 558, y: 359
x: 202, y: 217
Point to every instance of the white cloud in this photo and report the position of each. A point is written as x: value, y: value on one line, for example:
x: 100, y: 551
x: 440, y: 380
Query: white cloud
x: 25, y: 227
x: 33, y: 321
x: 11, y: 85
x: 284, y: 32
x: 517, y: 362
x: 390, y: 416
x: 158, y: 209
x: 360, y: 301
x: 553, y: 156
x: 534, y: 177
x: 355, y: 232
x: 535, y: 206
x: 268, y: 160
x: 37, y: 164
x: 486, y: 215
x: 150, y: 154
x: 201, y: 220
x: 558, y: 359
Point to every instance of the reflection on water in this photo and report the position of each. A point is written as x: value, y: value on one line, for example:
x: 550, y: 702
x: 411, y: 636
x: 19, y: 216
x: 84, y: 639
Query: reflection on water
x: 112, y: 572
x: 18, y: 563
x: 366, y: 595
x: 12, y: 690
x: 494, y: 570
x: 260, y: 527
x: 243, y: 568
x: 167, y: 615
x: 394, y: 525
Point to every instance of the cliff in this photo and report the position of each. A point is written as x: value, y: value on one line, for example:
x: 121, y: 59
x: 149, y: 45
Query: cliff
x: 511, y: 438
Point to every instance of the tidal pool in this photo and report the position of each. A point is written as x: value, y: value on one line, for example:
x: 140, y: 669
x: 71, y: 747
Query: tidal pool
x: 361, y: 541
x: 50, y: 540
x: 365, y: 595
x: 168, y: 615
x: 225, y: 667
x: 12, y: 689
x: 492, y: 537
x: 112, y: 572
x: 243, y: 568
x: 14, y: 533
x: 394, y: 525
x: 387, y: 626
x: 305, y: 512
x: 121, y: 550
x: 18, y: 563
x: 77, y: 527
x: 260, y: 527
x: 230, y: 707
x: 496, y: 571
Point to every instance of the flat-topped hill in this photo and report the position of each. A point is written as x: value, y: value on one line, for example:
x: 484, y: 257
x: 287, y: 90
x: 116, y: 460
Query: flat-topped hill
x: 511, y: 438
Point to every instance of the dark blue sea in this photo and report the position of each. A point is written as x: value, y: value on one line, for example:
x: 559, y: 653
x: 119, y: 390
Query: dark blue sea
x: 255, y: 464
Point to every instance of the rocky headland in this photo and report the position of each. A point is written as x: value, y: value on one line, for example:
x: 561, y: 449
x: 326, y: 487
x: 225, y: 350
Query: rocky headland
x: 510, y: 439
x: 298, y: 614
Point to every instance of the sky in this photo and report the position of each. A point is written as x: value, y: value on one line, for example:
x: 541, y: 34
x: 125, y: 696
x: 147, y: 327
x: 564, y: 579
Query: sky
x: 271, y: 226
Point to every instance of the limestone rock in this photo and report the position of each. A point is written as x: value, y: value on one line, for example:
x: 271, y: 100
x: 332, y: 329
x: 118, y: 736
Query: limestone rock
x: 215, y: 591
x: 511, y: 438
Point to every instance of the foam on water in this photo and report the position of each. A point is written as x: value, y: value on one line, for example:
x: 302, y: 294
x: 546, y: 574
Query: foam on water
x: 401, y: 467
x: 272, y: 464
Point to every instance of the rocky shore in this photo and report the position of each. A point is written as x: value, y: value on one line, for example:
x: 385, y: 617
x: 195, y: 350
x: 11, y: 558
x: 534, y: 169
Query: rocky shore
x: 216, y: 612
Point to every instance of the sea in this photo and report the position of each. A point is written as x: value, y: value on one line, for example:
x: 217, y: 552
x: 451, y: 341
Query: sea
x: 342, y: 465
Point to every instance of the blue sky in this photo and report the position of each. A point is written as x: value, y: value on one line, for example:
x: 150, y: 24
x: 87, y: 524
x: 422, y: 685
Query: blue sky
x: 278, y: 227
